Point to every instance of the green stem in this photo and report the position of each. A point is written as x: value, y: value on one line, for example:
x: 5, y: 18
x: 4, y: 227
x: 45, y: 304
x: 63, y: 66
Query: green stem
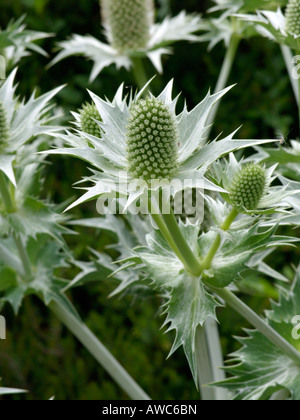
x: 223, y: 77
x: 239, y: 306
x: 288, y: 59
x: 204, y: 370
x: 9, y: 207
x: 169, y: 228
x: 99, y: 351
x: 187, y: 256
x: 5, y: 194
x: 215, y: 246
x: 139, y: 72
x: 24, y: 257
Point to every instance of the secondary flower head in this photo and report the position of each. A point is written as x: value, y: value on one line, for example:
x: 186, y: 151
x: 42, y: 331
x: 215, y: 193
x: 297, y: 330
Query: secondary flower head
x: 292, y: 15
x: 144, y: 142
x: 3, y: 126
x: 128, y: 23
x: 20, y: 122
x: 283, y: 28
x: 87, y: 119
x: 248, y: 186
x: 131, y: 32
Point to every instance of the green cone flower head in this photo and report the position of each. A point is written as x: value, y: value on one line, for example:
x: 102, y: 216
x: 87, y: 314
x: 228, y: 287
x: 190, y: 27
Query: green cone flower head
x: 248, y: 187
x: 292, y: 15
x: 3, y: 125
x: 128, y: 23
x: 152, y: 140
x: 88, y: 115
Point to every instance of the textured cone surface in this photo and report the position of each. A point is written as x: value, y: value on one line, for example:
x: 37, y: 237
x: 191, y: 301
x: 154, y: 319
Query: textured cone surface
x: 88, y: 115
x: 292, y: 15
x: 3, y: 125
x: 152, y: 141
x: 128, y: 22
x: 248, y: 186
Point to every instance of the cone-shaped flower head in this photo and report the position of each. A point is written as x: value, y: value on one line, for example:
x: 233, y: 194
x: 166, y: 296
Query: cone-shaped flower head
x: 89, y: 116
x: 248, y: 186
x: 3, y: 125
x: 152, y: 140
x: 293, y: 17
x: 128, y: 23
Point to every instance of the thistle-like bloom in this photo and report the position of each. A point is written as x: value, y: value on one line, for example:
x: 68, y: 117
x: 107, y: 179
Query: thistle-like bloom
x: 87, y: 120
x: 283, y: 28
x: 16, y: 41
x: 249, y: 186
x: 3, y: 126
x: 143, y: 139
x: 292, y: 16
x: 131, y: 31
x: 21, y: 122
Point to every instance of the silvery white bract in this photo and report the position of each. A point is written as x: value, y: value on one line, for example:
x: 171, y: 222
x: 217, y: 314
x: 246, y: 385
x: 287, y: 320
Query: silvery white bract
x: 108, y: 154
x: 273, y: 25
x: 260, y: 368
x: 16, y: 41
x: 162, y: 35
x: 25, y: 121
x: 273, y: 199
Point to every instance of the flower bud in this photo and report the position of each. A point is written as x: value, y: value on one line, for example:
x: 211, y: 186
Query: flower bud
x: 152, y: 141
x: 248, y: 186
x: 88, y: 115
x: 3, y: 125
x: 292, y: 15
x: 128, y: 23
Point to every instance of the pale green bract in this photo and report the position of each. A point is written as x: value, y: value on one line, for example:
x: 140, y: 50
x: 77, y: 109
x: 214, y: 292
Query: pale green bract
x: 24, y: 120
x: 16, y: 42
x: 259, y: 369
x: 161, y: 36
x: 108, y: 154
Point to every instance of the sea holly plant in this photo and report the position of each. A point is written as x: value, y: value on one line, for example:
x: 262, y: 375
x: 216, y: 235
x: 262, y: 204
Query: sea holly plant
x: 132, y: 35
x: 32, y: 246
x: 17, y: 42
x: 259, y: 369
x: 145, y: 143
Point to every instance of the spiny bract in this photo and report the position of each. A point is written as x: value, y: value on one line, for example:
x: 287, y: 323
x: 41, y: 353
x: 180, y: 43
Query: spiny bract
x: 248, y: 187
x: 88, y: 115
x: 3, y: 125
x: 152, y: 141
x: 128, y: 22
x: 292, y: 15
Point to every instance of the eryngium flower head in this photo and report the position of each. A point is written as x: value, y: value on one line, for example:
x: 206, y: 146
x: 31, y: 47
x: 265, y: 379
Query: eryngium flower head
x: 248, y: 187
x: 152, y: 140
x: 128, y: 23
x: 89, y: 116
x: 292, y: 15
x: 3, y: 125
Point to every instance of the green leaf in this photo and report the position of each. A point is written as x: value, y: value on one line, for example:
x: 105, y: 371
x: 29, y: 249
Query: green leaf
x: 188, y: 303
x: 235, y: 254
x: 259, y: 368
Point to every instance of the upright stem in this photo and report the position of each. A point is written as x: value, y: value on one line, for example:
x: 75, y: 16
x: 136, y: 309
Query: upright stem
x: 139, y: 72
x: 79, y: 329
x: 288, y: 59
x: 224, y: 76
x: 204, y: 370
x: 275, y: 338
x: 215, y: 246
x: 5, y: 194
x: 99, y: 351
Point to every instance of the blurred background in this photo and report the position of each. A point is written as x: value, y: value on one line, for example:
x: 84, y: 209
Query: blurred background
x: 39, y: 354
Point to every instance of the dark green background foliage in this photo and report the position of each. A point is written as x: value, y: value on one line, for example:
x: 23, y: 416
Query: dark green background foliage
x: 39, y: 354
